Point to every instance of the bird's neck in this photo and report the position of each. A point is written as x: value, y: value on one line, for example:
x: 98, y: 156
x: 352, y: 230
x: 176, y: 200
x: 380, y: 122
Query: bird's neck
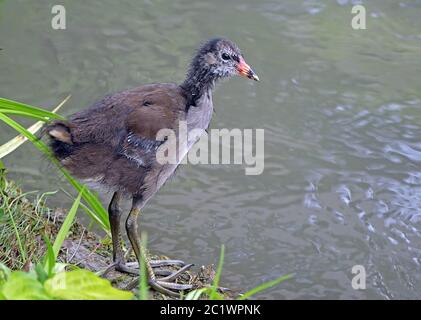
x: 198, y: 82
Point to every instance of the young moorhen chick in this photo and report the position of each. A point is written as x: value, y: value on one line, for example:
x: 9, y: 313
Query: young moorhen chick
x: 113, y: 143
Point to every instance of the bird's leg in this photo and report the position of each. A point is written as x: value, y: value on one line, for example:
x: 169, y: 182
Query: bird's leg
x: 114, y: 214
x: 119, y: 264
x: 141, y: 254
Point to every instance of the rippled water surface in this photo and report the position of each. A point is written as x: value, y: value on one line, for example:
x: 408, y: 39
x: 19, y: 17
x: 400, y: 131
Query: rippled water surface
x: 340, y: 109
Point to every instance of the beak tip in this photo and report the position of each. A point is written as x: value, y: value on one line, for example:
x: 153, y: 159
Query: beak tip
x: 251, y: 75
x: 244, y: 70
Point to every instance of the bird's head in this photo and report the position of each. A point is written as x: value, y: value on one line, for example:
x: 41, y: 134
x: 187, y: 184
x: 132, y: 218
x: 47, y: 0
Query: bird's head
x: 222, y: 58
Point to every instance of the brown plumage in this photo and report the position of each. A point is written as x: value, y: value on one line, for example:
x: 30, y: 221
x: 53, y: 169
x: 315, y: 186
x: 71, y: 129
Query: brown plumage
x: 100, y: 152
x: 113, y: 143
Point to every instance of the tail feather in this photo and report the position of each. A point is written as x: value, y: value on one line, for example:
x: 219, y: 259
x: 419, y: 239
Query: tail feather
x: 61, y: 139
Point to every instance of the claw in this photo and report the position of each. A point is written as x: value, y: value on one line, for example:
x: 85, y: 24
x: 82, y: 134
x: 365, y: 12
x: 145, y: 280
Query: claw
x: 174, y: 286
x: 108, y: 269
x: 162, y: 285
x: 164, y: 273
x: 175, y: 274
x: 125, y: 269
x: 133, y: 264
x: 158, y: 263
x: 161, y: 263
x: 133, y: 268
x: 158, y: 287
x: 121, y: 267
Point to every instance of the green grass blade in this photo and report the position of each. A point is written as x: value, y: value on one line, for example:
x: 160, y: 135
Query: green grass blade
x: 264, y: 286
x: 91, y: 213
x: 90, y: 198
x: 17, y: 141
x: 214, y: 294
x: 143, y: 282
x: 100, y: 213
x: 23, y: 114
x: 65, y: 227
x: 94, y: 217
x: 21, y: 248
x: 196, y: 294
x: 5, y: 273
x: 31, y: 137
x: 18, y: 106
x: 40, y: 270
x: 49, y: 260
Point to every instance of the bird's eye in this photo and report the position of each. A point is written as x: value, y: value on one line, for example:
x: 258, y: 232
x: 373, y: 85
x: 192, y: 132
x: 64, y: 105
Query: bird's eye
x: 225, y: 56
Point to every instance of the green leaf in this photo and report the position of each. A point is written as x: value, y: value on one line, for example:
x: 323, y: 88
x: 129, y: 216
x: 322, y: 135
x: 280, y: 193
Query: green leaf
x: 53, y: 250
x: 196, y: 294
x: 29, y: 110
x: 23, y: 286
x: 5, y: 273
x: 83, y: 285
x: 65, y: 227
x: 264, y: 286
x: 49, y: 258
x: 217, y: 296
x: 41, y: 274
x: 214, y: 294
x: 60, y: 267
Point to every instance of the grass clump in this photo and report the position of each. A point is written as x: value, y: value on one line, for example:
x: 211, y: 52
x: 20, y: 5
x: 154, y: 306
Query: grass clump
x: 22, y: 222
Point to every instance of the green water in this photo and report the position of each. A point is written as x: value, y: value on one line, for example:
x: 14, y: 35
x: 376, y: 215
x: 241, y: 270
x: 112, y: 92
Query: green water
x: 340, y: 109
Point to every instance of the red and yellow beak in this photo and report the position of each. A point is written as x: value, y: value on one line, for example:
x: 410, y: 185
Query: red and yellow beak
x: 245, y: 70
